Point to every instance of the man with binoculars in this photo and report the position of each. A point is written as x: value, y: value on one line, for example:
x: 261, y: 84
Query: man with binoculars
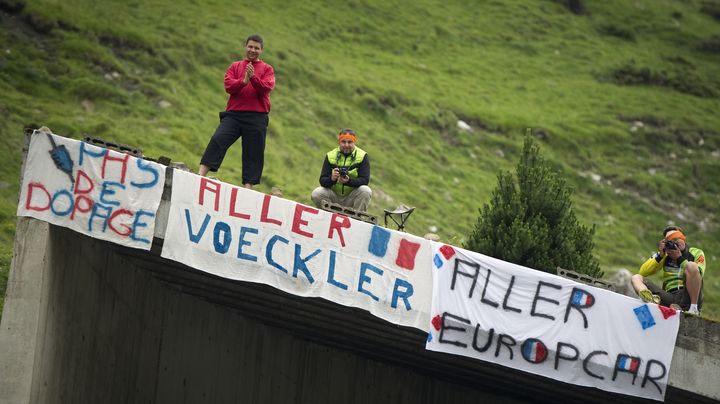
x: 683, y: 268
x: 345, y: 175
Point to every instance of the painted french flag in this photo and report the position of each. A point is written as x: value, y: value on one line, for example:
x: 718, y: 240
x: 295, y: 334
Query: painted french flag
x: 443, y: 255
x: 581, y: 298
x: 628, y: 363
x: 406, y: 252
x: 534, y: 350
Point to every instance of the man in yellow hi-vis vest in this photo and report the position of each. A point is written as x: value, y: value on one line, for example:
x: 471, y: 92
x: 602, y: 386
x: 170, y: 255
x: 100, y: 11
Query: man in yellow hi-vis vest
x: 683, y: 269
x: 345, y: 175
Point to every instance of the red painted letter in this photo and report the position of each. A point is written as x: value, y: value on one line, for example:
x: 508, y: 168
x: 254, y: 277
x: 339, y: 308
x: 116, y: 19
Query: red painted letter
x: 233, y: 213
x: 79, y: 179
x: 31, y: 186
x: 210, y: 186
x: 264, y: 215
x: 127, y: 228
x: 123, y: 160
x: 77, y: 208
x: 82, y: 193
x: 337, y: 223
x: 298, y: 221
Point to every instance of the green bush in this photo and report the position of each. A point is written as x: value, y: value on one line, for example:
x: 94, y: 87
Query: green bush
x: 530, y: 220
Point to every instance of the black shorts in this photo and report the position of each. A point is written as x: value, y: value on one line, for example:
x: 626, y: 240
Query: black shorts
x: 678, y: 296
x: 252, y: 127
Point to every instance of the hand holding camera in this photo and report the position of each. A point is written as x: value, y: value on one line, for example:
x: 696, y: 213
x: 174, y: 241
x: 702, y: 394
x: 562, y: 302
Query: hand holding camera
x: 671, y: 248
x: 337, y: 174
x: 670, y: 245
x: 343, y: 175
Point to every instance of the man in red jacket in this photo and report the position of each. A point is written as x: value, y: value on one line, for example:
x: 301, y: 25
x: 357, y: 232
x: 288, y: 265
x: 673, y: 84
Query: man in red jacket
x: 249, y: 83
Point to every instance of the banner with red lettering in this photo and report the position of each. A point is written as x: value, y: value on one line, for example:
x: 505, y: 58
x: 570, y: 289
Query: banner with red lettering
x: 241, y: 234
x: 95, y: 191
x: 540, y: 323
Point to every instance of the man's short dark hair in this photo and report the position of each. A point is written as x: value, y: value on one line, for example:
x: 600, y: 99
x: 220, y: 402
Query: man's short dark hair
x: 667, y: 229
x: 257, y: 38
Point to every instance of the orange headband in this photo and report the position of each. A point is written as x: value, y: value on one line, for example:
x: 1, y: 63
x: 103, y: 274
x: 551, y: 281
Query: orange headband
x: 347, y: 136
x: 675, y: 234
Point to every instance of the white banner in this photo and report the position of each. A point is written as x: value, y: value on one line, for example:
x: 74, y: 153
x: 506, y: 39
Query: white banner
x: 95, y: 191
x: 241, y: 234
x: 540, y: 323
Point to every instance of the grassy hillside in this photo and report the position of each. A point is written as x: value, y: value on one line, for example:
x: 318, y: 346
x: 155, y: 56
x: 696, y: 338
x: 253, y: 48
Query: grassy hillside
x: 623, y: 96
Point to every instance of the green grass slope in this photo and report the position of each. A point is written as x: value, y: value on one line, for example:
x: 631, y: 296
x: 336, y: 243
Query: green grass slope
x: 623, y: 96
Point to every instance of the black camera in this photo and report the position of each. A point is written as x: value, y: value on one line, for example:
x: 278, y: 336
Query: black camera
x: 343, y: 171
x: 670, y: 245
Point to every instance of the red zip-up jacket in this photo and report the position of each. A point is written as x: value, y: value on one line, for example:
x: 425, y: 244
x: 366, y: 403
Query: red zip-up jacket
x: 253, y: 96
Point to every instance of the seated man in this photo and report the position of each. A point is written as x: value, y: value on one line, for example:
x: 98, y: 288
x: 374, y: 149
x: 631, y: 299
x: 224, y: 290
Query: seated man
x: 683, y: 268
x: 345, y: 175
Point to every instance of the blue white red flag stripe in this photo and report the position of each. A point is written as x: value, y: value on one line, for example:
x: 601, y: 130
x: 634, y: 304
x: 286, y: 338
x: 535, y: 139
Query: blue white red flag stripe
x: 628, y: 363
x: 534, y: 350
x: 580, y: 298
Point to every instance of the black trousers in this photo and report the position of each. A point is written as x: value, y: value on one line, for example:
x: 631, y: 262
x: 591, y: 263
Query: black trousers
x: 252, y: 127
x: 679, y: 296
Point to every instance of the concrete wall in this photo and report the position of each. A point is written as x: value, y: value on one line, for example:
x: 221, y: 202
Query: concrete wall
x: 24, y: 306
x: 696, y: 360
x: 107, y: 331
x: 87, y: 321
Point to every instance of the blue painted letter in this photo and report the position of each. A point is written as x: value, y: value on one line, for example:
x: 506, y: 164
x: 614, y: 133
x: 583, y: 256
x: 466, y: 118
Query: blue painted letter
x: 137, y: 223
x: 146, y: 166
x: 107, y: 191
x: 331, y: 273
x: 71, y: 203
x: 195, y: 238
x: 366, y: 279
x: 85, y: 148
x: 242, y: 243
x: 96, y: 213
x: 222, y: 245
x: 402, y: 294
x: 268, y: 251
x: 299, y: 264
